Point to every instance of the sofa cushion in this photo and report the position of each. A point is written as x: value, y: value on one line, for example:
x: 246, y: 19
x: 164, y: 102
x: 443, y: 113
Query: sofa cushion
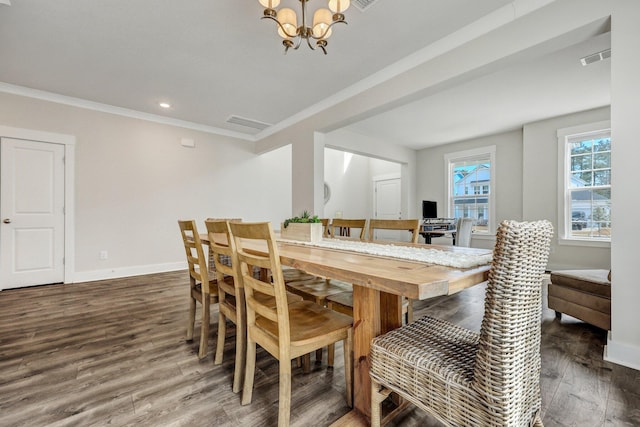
x: 592, y: 281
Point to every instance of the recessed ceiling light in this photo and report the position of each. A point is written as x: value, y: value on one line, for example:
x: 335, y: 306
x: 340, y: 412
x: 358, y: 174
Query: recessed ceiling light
x: 165, y: 105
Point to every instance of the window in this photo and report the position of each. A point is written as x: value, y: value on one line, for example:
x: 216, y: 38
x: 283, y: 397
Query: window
x: 470, y: 187
x: 585, y: 183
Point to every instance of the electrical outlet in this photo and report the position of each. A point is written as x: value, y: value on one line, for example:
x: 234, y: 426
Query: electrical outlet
x: 104, y: 255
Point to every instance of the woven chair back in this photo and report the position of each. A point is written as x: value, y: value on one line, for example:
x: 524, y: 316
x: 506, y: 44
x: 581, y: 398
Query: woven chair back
x: 507, y: 365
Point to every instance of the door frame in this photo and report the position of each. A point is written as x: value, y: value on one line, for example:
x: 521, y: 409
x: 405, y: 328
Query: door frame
x: 69, y: 142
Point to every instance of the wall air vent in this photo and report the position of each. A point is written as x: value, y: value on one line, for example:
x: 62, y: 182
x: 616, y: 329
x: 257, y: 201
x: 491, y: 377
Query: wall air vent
x: 595, y: 57
x: 254, y: 124
x: 363, y: 4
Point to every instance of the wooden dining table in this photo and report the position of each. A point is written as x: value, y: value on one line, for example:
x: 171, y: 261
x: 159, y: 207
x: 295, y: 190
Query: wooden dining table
x: 379, y: 283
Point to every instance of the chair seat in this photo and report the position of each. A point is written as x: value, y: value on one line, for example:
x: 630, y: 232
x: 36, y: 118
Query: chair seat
x: 344, y: 299
x: 196, y: 291
x: 318, y: 289
x: 271, y: 301
x: 308, y: 321
x: 295, y: 275
x: 424, y: 358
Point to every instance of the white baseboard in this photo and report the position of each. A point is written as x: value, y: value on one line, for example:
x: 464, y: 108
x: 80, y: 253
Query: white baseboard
x: 114, y: 273
x: 622, y: 354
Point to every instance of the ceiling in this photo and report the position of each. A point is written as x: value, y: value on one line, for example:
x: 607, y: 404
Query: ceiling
x: 214, y: 59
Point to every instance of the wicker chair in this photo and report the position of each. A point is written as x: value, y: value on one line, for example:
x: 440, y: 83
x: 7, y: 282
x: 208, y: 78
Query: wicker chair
x: 464, y: 378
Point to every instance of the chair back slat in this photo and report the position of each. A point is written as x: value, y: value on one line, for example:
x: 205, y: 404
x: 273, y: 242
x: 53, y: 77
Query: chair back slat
x: 223, y: 255
x: 194, y: 252
x: 411, y: 225
x: 269, y: 284
x: 344, y: 227
x: 507, y: 367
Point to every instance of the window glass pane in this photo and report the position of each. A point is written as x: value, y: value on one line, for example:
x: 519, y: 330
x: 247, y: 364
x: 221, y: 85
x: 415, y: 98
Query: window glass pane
x: 603, y: 144
x: 580, y: 147
x: 602, y: 177
x: 581, y: 179
x: 602, y: 160
x: 591, y: 213
x: 580, y: 163
x: 470, y: 183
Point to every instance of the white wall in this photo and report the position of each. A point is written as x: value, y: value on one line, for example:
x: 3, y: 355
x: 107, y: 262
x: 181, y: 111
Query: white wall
x: 349, y: 184
x: 623, y: 345
x: 134, y: 181
x: 350, y: 177
x: 508, y: 178
x: 540, y: 186
x: 373, y: 148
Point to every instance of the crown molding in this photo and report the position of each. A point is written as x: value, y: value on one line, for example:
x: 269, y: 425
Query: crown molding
x: 105, y: 108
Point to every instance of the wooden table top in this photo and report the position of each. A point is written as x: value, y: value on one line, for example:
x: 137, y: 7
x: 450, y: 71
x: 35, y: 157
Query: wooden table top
x: 412, y: 279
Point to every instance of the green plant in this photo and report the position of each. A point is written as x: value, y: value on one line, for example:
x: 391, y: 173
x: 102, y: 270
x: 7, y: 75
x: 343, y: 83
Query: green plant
x: 304, y: 218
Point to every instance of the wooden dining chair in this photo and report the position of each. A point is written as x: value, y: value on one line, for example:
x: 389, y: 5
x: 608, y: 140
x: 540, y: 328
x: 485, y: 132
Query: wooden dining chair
x: 202, y: 289
x: 231, y: 304
x: 212, y: 265
x: 230, y: 295
x: 344, y: 226
x: 326, y: 223
x: 289, y: 330
x: 461, y: 377
x: 410, y: 225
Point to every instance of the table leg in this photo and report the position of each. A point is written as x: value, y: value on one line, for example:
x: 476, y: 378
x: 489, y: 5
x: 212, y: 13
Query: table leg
x: 368, y: 304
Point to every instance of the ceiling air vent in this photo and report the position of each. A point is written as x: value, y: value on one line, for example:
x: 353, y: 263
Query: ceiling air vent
x: 254, y: 124
x: 363, y: 4
x: 595, y: 57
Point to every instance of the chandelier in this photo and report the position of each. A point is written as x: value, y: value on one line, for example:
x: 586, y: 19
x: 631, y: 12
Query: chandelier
x: 320, y: 29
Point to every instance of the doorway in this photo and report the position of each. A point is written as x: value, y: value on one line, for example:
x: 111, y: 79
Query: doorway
x: 36, y: 208
x: 388, y: 205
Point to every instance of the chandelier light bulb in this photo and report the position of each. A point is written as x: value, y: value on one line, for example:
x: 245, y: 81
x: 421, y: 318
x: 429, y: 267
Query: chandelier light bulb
x: 339, y: 6
x: 321, y: 21
x: 270, y: 4
x: 289, y: 21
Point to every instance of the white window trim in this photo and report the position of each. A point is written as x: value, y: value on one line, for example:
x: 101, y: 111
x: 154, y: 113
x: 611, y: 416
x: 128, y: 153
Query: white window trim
x: 563, y: 194
x: 467, y: 155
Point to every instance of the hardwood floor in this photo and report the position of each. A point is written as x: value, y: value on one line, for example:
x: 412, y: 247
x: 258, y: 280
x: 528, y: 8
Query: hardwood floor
x: 113, y: 353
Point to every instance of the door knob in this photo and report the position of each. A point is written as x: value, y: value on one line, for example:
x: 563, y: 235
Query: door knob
x: 7, y: 221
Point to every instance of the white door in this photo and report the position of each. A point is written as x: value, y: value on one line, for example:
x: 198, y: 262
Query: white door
x: 387, y: 206
x: 32, y: 213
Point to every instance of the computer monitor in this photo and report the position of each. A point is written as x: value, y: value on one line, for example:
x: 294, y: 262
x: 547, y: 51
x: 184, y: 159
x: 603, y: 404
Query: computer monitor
x: 429, y: 209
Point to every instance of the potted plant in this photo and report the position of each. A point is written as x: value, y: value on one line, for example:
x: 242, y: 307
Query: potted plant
x: 306, y: 228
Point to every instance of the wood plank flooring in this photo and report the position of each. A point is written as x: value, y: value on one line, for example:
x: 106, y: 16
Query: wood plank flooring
x: 113, y: 353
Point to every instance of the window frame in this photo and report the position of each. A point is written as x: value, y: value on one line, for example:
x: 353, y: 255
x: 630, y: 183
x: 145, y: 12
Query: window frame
x: 470, y: 155
x: 564, y: 136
